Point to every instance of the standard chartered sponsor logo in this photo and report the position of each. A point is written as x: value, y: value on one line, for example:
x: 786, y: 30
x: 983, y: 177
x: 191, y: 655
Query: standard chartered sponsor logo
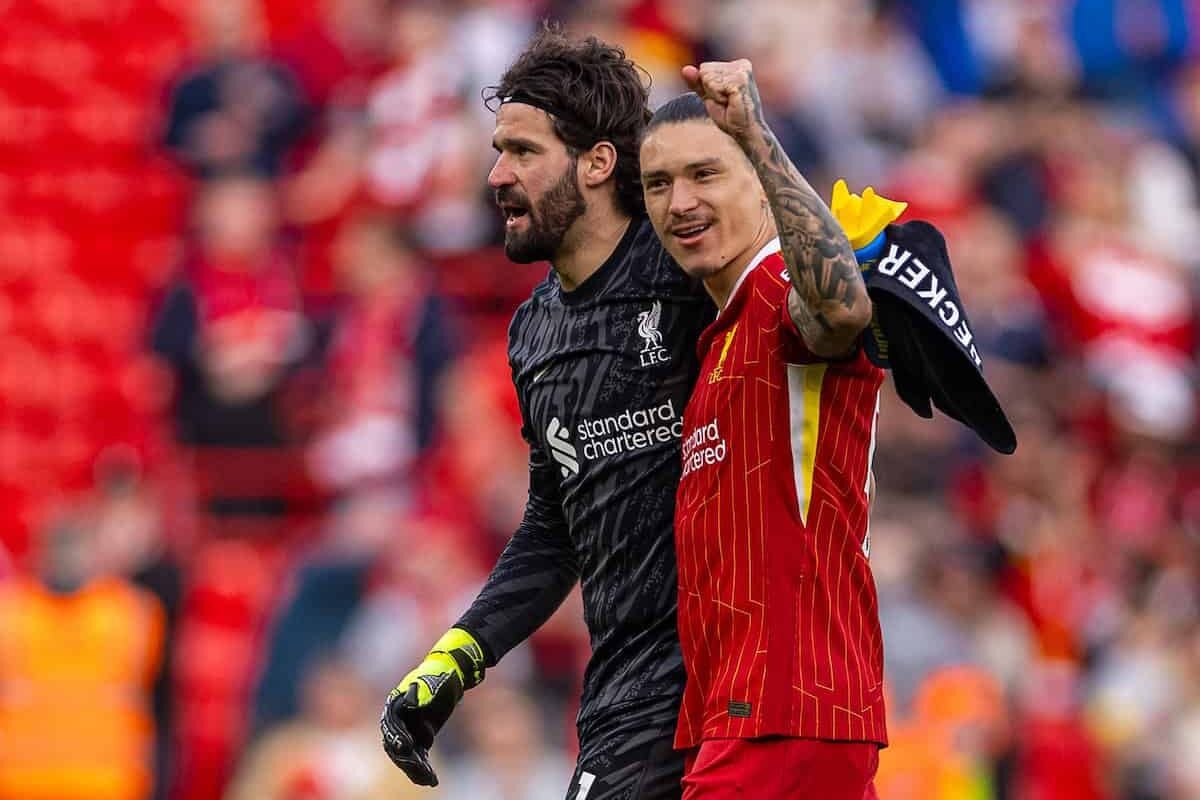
x: 630, y: 430
x: 704, y: 447
x: 561, y: 448
x: 626, y: 432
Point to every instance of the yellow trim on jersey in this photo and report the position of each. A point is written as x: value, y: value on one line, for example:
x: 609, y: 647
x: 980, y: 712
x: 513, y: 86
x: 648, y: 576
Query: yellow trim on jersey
x: 805, y: 382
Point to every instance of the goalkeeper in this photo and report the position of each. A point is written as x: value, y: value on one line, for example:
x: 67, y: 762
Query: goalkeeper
x: 603, y: 359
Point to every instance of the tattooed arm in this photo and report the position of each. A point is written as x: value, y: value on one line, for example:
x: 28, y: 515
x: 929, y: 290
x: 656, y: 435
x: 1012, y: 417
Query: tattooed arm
x: 829, y: 301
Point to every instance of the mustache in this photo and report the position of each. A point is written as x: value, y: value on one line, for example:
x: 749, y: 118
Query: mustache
x: 506, y: 195
x: 681, y: 220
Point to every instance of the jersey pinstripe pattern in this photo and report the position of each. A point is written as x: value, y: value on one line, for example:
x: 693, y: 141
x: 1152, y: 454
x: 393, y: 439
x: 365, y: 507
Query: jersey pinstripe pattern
x: 777, y: 607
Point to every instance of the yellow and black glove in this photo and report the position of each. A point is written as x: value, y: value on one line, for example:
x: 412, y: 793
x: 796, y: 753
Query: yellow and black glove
x: 422, y: 702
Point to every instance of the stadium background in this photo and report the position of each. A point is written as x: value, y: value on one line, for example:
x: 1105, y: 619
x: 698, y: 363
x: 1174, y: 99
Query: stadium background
x: 258, y: 445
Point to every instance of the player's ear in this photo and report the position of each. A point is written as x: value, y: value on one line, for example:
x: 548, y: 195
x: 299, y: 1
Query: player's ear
x: 597, y: 164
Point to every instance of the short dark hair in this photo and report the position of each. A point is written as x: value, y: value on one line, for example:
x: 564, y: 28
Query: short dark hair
x: 683, y: 108
x: 591, y: 91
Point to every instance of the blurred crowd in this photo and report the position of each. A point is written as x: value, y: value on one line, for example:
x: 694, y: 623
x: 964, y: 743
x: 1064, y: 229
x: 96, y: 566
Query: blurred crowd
x: 258, y: 447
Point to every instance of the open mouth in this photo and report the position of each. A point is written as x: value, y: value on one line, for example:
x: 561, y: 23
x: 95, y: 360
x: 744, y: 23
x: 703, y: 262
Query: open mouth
x: 513, y: 213
x: 690, y: 234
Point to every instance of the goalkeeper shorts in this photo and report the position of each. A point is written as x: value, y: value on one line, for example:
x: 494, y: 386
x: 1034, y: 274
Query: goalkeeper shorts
x: 630, y: 756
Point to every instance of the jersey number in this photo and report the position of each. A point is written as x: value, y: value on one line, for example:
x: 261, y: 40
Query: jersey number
x: 586, y: 779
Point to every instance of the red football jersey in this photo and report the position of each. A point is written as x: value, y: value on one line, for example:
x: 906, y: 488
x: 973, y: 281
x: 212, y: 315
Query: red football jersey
x: 778, y: 614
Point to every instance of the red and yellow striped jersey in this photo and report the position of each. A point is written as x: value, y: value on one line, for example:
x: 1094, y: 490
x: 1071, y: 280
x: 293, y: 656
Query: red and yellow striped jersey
x: 778, y: 614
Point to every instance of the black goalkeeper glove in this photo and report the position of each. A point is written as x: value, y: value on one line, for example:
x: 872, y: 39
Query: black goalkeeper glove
x: 422, y: 702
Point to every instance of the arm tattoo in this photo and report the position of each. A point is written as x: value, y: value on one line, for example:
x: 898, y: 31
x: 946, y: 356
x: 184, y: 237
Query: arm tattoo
x: 823, y: 269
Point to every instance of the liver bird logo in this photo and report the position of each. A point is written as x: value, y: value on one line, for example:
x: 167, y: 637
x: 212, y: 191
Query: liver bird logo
x: 648, y: 327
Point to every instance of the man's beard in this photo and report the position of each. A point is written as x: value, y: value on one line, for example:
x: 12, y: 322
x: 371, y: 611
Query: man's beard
x: 549, y: 220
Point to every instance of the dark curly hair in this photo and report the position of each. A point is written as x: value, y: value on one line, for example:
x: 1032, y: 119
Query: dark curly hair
x: 592, y: 92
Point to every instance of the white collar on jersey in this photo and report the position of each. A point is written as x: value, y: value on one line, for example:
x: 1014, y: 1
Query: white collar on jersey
x: 767, y: 249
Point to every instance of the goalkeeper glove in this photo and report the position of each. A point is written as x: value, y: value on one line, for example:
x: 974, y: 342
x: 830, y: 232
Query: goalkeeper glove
x: 864, y: 218
x: 421, y: 703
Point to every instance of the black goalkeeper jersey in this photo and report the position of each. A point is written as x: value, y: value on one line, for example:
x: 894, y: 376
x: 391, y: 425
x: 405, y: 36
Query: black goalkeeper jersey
x: 602, y: 374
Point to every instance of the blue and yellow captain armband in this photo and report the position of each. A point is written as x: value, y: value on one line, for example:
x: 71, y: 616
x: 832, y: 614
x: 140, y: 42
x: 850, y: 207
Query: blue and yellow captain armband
x: 864, y: 218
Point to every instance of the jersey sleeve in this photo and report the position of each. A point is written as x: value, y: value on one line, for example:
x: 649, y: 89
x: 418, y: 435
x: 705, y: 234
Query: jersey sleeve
x: 536, y: 571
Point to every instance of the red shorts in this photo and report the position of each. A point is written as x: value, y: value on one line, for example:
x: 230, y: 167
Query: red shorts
x: 779, y: 768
